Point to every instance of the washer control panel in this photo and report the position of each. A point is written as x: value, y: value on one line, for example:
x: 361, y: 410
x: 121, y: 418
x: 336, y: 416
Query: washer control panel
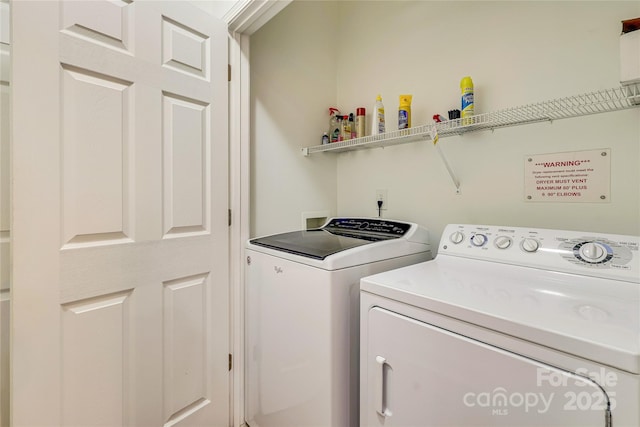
x: 595, y: 254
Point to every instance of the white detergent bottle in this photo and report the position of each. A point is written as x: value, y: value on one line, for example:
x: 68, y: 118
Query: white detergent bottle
x: 377, y: 117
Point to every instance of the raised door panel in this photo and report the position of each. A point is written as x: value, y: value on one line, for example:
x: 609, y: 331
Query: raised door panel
x: 5, y: 306
x: 186, y: 165
x: 5, y: 200
x: 5, y: 210
x: 4, y: 137
x: 186, y: 345
x: 95, y: 336
x: 185, y: 49
x: 96, y: 122
x: 107, y: 23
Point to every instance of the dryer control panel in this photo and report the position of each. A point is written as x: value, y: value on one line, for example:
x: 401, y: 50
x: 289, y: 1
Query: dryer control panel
x: 594, y: 254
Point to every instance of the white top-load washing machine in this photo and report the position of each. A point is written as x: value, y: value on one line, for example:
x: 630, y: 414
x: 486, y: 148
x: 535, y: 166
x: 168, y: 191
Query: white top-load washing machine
x: 302, y: 317
x: 507, y: 326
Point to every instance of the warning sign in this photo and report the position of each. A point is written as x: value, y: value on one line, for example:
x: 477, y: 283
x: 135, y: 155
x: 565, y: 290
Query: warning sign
x: 579, y: 176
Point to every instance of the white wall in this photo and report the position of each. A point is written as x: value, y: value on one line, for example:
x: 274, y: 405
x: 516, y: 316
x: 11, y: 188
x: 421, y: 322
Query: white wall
x: 293, y: 82
x: 516, y: 52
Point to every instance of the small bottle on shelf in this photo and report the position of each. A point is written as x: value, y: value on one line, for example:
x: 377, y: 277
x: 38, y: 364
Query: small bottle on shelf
x: 360, y: 122
x: 346, y: 128
x: 352, y: 126
x: 334, y: 128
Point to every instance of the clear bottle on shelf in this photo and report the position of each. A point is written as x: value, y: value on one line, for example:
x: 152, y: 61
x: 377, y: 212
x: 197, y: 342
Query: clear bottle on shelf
x: 334, y: 127
x: 346, y: 128
x: 337, y: 135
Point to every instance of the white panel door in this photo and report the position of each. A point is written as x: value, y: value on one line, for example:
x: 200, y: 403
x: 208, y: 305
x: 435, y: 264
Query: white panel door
x: 120, y: 237
x: 5, y: 226
x: 421, y: 375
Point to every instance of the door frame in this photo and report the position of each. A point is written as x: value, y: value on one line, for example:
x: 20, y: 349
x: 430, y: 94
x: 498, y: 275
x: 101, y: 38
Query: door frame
x: 242, y: 20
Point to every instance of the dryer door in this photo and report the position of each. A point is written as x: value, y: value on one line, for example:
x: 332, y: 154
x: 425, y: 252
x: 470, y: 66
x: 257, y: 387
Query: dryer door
x: 421, y: 375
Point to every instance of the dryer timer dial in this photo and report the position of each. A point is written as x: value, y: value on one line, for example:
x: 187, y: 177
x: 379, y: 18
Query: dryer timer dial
x: 456, y: 237
x: 502, y: 242
x: 530, y: 245
x: 478, y: 240
x: 593, y: 252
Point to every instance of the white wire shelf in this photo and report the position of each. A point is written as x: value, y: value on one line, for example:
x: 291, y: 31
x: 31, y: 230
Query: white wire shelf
x: 601, y: 101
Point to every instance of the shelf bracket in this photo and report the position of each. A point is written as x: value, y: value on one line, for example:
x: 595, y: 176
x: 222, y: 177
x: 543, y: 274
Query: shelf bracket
x: 454, y: 178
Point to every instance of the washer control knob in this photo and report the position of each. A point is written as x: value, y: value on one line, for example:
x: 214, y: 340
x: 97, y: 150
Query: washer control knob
x: 478, y: 240
x: 503, y: 242
x: 456, y: 237
x: 592, y: 252
x: 530, y: 245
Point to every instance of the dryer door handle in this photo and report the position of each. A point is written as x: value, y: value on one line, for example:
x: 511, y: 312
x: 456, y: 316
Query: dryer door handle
x: 381, y: 398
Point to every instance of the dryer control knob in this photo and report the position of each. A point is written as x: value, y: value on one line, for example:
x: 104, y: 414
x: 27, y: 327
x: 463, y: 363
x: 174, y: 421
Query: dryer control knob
x: 530, y: 245
x: 478, y: 240
x: 456, y: 237
x: 592, y: 252
x: 503, y: 242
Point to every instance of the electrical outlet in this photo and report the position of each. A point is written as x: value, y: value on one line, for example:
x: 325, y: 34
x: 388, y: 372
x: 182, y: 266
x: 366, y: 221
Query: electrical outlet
x: 382, y: 195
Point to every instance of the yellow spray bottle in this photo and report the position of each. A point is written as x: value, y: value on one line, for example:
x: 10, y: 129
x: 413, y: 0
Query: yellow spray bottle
x: 466, y: 88
x: 404, y: 112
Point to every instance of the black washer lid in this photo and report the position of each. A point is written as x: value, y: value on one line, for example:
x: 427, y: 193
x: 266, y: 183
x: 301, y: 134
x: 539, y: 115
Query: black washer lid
x: 336, y: 236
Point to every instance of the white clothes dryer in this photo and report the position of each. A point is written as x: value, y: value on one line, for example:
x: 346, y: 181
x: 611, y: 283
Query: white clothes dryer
x: 506, y: 326
x: 302, y: 317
